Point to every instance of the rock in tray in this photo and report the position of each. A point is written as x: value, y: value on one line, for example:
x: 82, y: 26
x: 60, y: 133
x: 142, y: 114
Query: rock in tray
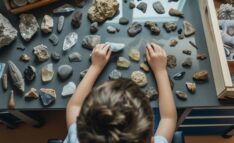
x: 175, y: 12
x: 66, y: 8
x: 134, y: 29
x: 181, y: 95
x: 142, y: 6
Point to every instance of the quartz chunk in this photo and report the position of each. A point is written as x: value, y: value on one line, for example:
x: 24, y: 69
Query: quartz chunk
x: 47, y: 24
x: 123, y: 63
x: 139, y: 78
x: 47, y: 73
x: 90, y: 41
x: 47, y: 96
x: 70, y: 41
x: 69, y: 89
x: 41, y: 53
x: 32, y: 93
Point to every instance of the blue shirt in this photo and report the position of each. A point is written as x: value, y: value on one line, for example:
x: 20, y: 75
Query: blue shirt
x: 72, y: 136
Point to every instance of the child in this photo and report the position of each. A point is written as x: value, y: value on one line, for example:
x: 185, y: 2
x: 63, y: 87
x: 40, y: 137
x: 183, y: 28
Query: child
x: 118, y: 111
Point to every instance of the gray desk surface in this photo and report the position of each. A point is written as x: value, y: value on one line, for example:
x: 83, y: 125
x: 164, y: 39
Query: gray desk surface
x: 205, y: 95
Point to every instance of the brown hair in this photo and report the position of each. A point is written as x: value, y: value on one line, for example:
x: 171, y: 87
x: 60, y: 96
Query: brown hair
x: 116, y: 112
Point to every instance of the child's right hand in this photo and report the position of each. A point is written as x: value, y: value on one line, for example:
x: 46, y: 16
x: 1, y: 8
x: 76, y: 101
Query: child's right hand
x: 156, y: 57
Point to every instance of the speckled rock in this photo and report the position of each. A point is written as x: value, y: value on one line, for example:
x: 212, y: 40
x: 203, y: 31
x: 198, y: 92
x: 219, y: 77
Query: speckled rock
x: 139, y: 78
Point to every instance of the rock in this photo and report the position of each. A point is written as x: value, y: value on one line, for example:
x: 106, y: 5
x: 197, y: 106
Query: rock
x: 179, y: 76
x: 175, y: 12
x: 139, y: 78
x: 171, y: 61
x: 230, y: 30
x: 5, y: 82
x: 193, y: 44
x: 7, y: 32
x: 41, y: 53
x: 135, y: 55
x: 80, y: 3
x: 83, y: 73
x: 173, y: 43
x: 69, y: 89
x: 152, y: 93
x: 123, y: 21
x: 47, y: 24
x: 111, y: 29
x: 170, y: 26
x: 115, y: 74
x: 134, y: 29
x: 226, y: 12
x: 90, y: 41
x: 171, y: 82
x: 11, y: 100
x: 32, y: 93
x: 191, y: 87
x: 189, y: 30
x: 28, y: 26
x: 201, y: 75
x: 77, y: 19
x: 187, y: 63
x: 55, y: 56
x: 142, y: 6
x: 61, y: 20
x: 66, y: 8
x: 123, y: 63
x: 201, y: 56
x: 153, y: 27
x: 75, y: 57
x: 116, y: 47
x: 16, y: 76
x: 181, y: 95
x: 24, y: 57
x: 47, y: 96
x: 20, y: 3
x: 65, y: 71
x: 94, y: 27
x: 20, y: 47
x: 47, y: 73
x: 187, y: 52
x: 70, y: 41
x: 132, y: 4
x: 102, y: 10
x: 158, y: 7
x: 54, y: 39
x: 144, y: 67
x: 30, y: 73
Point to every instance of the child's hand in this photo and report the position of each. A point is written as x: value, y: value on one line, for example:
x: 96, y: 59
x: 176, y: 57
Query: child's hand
x: 100, y: 56
x: 156, y: 57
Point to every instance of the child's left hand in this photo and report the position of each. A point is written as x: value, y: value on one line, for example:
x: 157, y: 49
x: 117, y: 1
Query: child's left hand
x: 100, y: 56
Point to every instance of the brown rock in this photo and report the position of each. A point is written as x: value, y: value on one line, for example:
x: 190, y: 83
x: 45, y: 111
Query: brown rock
x: 201, y: 75
x: 171, y: 61
x: 144, y: 67
x: 201, y: 56
x: 189, y: 29
x: 153, y: 27
x: 191, y: 87
x: 24, y: 58
x: 173, y: 43
x: 32, y: 93
x: 170, y: 26
x: 77, y: 19
x: 175, y: 12
x: 139, y: 78
x: 187, y: 52
x: 181, y: 95
x: 11, y: 101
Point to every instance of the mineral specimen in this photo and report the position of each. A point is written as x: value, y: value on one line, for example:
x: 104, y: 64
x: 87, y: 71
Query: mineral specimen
x: 70, y: 41
x: 144, y: 67
x: 123, y: 21
x: 41, y: 53
x: 116, y: 47
x: 102, y: 10
x: 142, y: 6
x: 55, y: 56
x: 187, y: 63
x: 94, y: 27
x: 115, y: 74
x: 189, y: 30
x: 175, y: 12
x: 65, y: 71
x: 16, y: 76
x: 69, y: 89
x: 7, y: 32
x: 11, y: 100
x: 90, y: 41
x: 47, y: 73
x: 201, y: 56
x: 47, y: 24
x: 181, y: 95
x: 173, y: 43
x: 123, y: 63
x: 24, y: 57
x: 158, y: 7
x: 139, y: 78
x: 201, y: 75
x: 111, y: 29
x: 20, y: 3
x: 28, y: 26
x: 152, y: 93
x: 30, y: 73
x: 76, y: 19
x: 226, y: 12
x: 171, y: 61
x: 32, y: 93
x: 134, y: 29
x: 153, y: 27
x: 170, y: 26
x: 47, y: 96
x: 54, y: 39
x: 83, y: 73
x: 75, y: 57
x: 5, y: 81
x: 134, y: 55
x: 191, y: 87
x: 187, y: 52
x: 179, y: 76
x: 66, y: 8
x: 61, y: 20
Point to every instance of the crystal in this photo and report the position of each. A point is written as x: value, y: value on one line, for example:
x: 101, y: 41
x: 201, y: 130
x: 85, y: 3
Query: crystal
x: 47, y: 24
x: 47, y: 73
x: 69, y: 89
x: 70, y: 41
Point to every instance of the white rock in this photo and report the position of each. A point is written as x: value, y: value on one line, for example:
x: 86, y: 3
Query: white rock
x: 70, y: 41
x: 69, y: 89
x: 116, y: 47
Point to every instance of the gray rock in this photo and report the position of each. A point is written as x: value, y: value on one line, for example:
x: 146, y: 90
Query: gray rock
x: 70, y: 41
x: 123, y: 21
x: 47, y: 96
x: 77, y: 19
x: 142, y: 6
x: 47, y: 73
x: 90, y: 41
x: 47, y: 24
x: 30, y: 73
x: 187, y: 63
x: 134, y: 29
x: 66, y: 8
x: 83, y: 73
x: 75, y: 57
x: 20, y: 47
x: 158, y: 7
x: 111, y: 29
x: 69, y: 89
x: 94, y: 27
x: 65, y: 71
x: 28, y: 26
x: 55, y: 56
x: 170, y: 26
x: 116, y: 47
x: 41, y: 53
x: 115, y: 74
x: 61, y: 20
x: 54, y: 39
x: 7, y: 32
x: 132, y: 4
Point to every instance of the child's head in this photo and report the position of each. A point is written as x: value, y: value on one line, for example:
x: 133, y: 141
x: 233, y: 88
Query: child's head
x: 116, y: 112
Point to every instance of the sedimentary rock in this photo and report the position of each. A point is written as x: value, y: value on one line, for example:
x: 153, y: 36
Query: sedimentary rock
x: 179, y: 76
x: 135, y: 55
x: 189, y: 30
x: 115, y: 74
x: 142, y: 6
x: 144, y: 67
x: 158, y: 7
x: 5, y: 82
x: 55, y: 56
x: 152, y: 93
x: 54, y: 39
x: 70, y: 41
x: 28, y: 26
x: 61, y: 20
x: 173, y: 43
x: 175, y: 12
x: 47, y: 73
x: 170, y: 26
x: 7, y: 32
x: 75, y: 57
x: 24, y: 57
x: 139, y: 78
x: 41, y: 53
x: 191, y: 87
x: 171, y: 61
x: 201, y: 75
x: 47, y: 24
x: 16, y: 76
x: 32, y: 93
x: 77, y: 19
x: 94, y: 27
x: 153, y: 27
x: 66, y: 8
x: 187, y: 63
x: 90, y: 41
x: 11, y: 100
x: 116, y: 47
x: 134, y: 29
x: 123, y: 63
x: 123, y: 21
x: 30, y: 73
x: 47, y: 96
x: 102, y: 10
x: 69, y: 89
x: 65, y: 71
x: 201, y: 56
x: 187, y: 52
x: 181, y: 95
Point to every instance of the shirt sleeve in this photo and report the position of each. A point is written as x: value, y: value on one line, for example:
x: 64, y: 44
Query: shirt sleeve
x: 160, y: 139
x: 72, y: 134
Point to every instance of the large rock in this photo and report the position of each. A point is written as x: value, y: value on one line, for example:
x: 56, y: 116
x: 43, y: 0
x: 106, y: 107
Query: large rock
x: 7, y: 32
x: 102, y: 10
